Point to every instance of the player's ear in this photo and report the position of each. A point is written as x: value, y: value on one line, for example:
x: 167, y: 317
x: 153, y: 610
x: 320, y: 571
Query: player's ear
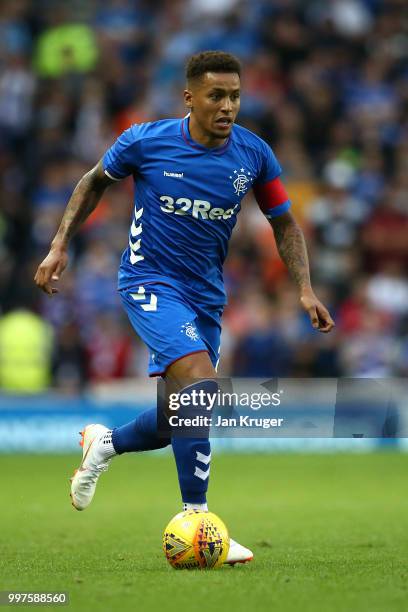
x: 188, y: 98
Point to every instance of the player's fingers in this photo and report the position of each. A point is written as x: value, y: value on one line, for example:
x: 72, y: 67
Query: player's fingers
x: 44, y: 273
x: 38, y: 278
x: 49, y: 290
x: 326, y: 328
x: 46, y: 288
x: 38, y: 274
x: 60, y: 267
x: 42, y: 279
x: 324, y: 315
x: 313, y: 317
x: 326, y: 323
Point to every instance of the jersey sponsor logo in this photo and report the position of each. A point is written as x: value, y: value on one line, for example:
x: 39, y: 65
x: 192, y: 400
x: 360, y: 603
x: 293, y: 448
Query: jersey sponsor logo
x: 241, y: 180
x: 200, y: 209
x: 173, y: 174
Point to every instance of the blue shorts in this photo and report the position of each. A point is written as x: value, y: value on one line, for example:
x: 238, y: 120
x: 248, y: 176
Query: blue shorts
x: 171, y: 326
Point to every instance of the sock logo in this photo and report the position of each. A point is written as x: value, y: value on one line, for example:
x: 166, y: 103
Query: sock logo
x: 202, y: 459
x: 201, y: 474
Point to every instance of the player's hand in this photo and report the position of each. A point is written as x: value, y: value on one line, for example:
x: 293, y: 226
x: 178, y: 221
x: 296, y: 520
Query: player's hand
x: 51, y: 269
x: 319, y: 315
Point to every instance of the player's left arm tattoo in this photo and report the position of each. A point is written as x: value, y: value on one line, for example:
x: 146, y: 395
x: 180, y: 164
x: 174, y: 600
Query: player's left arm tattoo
x: 292, y: 248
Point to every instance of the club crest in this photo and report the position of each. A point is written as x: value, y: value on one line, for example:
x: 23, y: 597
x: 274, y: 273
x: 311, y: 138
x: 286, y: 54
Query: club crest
x: 190, y: 330
x: 241, y: 180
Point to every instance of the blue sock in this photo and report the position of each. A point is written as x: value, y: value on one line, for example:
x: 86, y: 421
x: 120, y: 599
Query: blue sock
x: 193, y: 455
x: 139, y: 435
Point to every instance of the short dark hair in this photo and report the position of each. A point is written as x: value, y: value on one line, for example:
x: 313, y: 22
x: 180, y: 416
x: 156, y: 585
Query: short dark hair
x: 211, y: 61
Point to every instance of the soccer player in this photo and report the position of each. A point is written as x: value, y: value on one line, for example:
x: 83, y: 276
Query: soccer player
x: 190, y: 176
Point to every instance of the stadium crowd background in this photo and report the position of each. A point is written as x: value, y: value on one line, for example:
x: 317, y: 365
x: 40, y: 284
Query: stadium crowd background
x: 325, y: 83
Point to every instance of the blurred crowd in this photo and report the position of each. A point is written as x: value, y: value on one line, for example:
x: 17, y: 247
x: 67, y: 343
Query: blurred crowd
x: 325, y: 83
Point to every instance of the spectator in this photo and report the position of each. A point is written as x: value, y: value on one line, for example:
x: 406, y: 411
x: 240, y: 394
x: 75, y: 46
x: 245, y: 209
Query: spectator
x: 25, y: 352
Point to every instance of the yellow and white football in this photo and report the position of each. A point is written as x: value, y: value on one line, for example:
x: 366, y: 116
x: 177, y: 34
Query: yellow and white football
x: 195, y: 539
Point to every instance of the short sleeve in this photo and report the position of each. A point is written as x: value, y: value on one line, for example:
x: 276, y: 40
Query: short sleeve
x: 269, y: 166
x: 124, y: 156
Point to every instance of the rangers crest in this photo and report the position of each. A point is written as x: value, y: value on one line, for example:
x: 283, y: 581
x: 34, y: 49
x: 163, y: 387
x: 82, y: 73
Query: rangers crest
x: 241, y: 181
x: 190, y: 330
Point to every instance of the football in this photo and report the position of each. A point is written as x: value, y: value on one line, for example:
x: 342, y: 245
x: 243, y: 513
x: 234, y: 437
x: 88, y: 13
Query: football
x: 196, y: 540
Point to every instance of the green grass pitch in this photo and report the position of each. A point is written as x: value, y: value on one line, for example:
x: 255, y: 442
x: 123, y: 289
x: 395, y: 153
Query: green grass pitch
x: 329, y: 532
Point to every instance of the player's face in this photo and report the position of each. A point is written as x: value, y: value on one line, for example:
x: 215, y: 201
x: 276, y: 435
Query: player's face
x: 214, y: 101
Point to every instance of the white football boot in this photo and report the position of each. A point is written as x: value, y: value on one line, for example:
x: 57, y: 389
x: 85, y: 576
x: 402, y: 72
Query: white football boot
x: 94, y: 462
x: 238, y: 553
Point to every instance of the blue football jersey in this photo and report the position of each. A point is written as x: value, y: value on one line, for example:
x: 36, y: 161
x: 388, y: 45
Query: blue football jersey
x: 187, y: 198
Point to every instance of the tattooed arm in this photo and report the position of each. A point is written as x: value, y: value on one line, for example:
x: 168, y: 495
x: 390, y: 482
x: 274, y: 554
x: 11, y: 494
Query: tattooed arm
x: 292, y: 249
x: 83, y: 201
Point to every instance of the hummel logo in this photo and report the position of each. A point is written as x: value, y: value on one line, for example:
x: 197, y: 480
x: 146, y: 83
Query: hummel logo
x: 173, y: 174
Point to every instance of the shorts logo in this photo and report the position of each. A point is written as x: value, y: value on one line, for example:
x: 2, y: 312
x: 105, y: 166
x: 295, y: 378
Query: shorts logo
x: 142, y: 296
x: 241, y: 181
x: 190, y: 330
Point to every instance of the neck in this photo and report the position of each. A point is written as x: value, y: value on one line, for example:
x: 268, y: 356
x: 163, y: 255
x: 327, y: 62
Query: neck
x: 202, y: 137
